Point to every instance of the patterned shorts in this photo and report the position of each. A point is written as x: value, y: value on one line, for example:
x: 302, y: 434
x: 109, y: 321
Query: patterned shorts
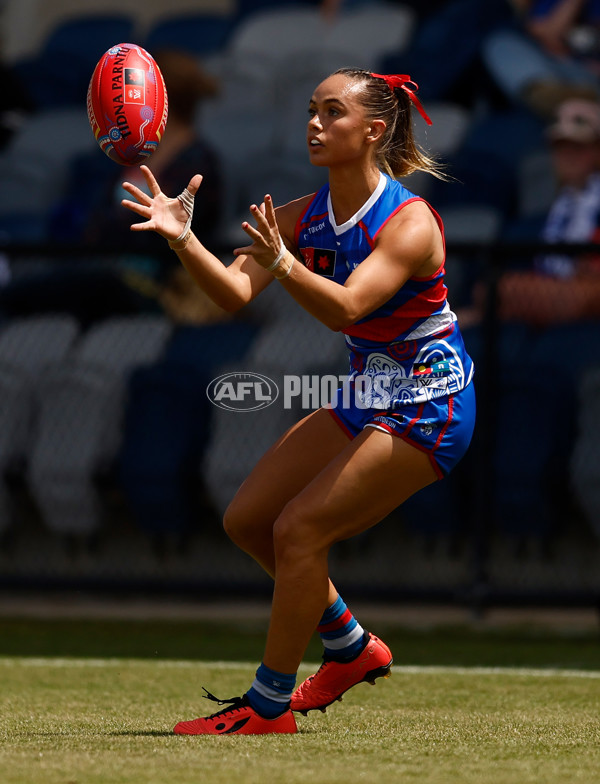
x: 442, y: 428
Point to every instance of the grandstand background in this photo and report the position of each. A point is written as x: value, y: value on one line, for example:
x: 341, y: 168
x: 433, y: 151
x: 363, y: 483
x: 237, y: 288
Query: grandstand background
x: 114, y: 466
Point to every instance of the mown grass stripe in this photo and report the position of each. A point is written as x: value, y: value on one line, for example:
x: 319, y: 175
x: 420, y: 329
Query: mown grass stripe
x: 64, y: 662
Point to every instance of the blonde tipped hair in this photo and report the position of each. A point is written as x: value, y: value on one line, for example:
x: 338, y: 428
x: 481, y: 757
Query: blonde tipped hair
x: 398, y: 154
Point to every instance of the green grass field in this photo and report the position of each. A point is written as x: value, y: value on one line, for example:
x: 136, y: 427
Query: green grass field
x: 91, y: 702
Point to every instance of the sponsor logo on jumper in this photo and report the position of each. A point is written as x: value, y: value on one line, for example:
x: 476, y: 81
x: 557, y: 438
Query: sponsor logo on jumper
x: 435, y: 370
x: 320, y: 261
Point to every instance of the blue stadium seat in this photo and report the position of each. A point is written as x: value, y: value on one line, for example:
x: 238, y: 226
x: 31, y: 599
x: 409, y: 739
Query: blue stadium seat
x: 165, y: 432
x: 27, y: 346
x: 437, y: 510
x: 58, y: 75
x: 81, y: 402
x: 202, y: 34
x: 585, y: 463
x: 34, y: 168
x: 535, y: 425
x: 167, y: 424
x: 533, y: 437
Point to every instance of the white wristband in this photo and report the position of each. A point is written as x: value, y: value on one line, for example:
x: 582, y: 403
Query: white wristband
x: 286, y: 274
x: 277, y: 261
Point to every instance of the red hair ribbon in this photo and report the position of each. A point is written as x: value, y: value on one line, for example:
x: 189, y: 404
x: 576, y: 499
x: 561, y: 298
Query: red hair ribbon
x: 402, y: 81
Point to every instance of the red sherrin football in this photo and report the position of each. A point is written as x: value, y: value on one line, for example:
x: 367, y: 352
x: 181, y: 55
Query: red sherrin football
x: 127, y: 104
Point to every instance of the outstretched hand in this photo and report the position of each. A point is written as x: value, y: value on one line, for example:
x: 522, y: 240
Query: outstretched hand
x: 266, y: 238
x: 164, y: 215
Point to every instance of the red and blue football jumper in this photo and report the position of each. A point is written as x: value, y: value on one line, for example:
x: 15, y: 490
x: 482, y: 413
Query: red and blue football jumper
x: 409, y: 371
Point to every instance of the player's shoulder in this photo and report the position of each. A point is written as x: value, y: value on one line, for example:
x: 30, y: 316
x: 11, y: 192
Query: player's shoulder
x: 413, y: 211
x: 296, y: 206
x: 289, y: 214
x: 413, y: 225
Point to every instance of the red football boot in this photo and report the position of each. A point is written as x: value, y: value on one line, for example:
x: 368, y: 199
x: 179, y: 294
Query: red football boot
x: 239, y: 719
x: 335, y: 678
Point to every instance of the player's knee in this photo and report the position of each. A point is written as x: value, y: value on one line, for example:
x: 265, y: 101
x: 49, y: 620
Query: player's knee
x: 236, y: 524
x: 292, y: 534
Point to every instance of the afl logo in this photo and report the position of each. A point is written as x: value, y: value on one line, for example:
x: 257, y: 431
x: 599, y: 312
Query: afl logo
x: 242, y: 391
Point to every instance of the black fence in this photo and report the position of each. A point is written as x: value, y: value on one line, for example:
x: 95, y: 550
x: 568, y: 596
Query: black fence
x: 116, y: 468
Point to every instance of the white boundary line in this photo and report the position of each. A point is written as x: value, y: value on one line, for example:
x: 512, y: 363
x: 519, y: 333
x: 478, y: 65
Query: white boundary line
x: 67, y: 663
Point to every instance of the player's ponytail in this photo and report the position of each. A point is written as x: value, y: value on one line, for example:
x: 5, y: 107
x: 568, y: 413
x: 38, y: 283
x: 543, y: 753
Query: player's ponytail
x: 391, y: 98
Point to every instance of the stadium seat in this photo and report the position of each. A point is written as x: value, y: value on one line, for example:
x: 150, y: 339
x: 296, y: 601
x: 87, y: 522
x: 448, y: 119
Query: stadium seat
x: 437, y: 511
x: 244, y: 93
x: 535, y: 424
x: 299, y: 344
x: 246, y: 8
x: 527, y: 448
x: 164, y: 435
x: 471, y: 223
x: 530, y: 457
x: 238, y: 440
x: 166, y: 425
x: 536, y: 184
x: 304, y: 71
x: 284, y: 176
x: 467, y: 223
x: 33, y: 169
x: 309, y: 60
x: 370, y: 31
x: 293, y: 344
x: 584, y: 468
x: 450, y: 125
x: 272, y: 34
x: 273, y: 303
x: 59, y: 73
x: 578, y: 343
x: 27, y: 346
x: 485, y: 165
x: 201, y: 34
x: 81, y: 404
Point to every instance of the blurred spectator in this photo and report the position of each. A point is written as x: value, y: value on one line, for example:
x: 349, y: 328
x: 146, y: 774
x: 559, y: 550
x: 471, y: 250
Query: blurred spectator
x: 330, y: 9
x: 553, y: 47
x: 444, y: 55
x: 558, y: 288
x: 15, y: 103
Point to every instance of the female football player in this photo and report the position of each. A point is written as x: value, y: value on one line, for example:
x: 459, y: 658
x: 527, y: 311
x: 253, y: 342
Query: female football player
x: 365, y: 257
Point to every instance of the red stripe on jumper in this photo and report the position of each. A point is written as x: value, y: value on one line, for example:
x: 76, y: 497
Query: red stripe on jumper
x: 365, y: 231
x: 301, y: 223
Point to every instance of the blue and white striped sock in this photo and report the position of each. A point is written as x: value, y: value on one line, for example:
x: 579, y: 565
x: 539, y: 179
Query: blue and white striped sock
x: 342, y: 635
x: 271, y: 692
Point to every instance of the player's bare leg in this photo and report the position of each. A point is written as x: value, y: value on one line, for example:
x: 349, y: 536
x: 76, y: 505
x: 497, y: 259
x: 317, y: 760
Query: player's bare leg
x: 374, y: 475
x: 283, y: 472
x: 362, y: 482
